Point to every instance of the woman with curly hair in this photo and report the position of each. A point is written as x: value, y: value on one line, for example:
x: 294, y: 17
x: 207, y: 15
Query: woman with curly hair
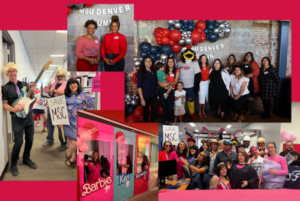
x: 114, y: 47
x: 88, y: 49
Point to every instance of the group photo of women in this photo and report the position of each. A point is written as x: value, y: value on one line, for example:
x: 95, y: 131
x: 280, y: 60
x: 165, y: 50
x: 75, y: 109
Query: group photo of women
x: 223, y: 91
x: 219, y: 166
x: 100, y: 43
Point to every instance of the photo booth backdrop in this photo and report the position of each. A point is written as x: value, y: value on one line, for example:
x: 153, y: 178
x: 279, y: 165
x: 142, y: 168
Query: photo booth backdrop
x: 76, y: 29
x: 105, y: 141
x: 257, y: 36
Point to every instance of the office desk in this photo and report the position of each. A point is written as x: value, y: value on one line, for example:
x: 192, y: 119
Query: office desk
x: 173, y: 182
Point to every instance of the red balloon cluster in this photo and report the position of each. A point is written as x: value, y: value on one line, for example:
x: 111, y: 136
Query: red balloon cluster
x: 199, y: 27
x: 167, y: 37
x: 88, y: 5
x: 69, y: 10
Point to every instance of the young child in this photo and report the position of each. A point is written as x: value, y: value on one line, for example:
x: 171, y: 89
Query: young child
x: 39, y: 108
x: 179, y: 99
x: 162, y: 77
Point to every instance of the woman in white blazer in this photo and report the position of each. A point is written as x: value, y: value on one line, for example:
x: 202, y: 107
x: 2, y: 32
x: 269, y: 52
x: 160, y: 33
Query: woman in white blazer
x: 219, y: 90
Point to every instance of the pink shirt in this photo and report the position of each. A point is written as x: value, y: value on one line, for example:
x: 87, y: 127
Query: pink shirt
x: 88, y: 48
x: 94, y: 172
x: 173, y: 156
x: 266, y: 150
x: 61, y: 87
x: 281, y: 160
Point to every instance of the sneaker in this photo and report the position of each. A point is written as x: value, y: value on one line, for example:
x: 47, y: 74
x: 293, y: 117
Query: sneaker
x: 45, y: 130
x: 14, y: 170
x: 38, y: 124
x: 47, y: 144
x: 30, y: 164
x: 62, y: 148
x: 165, y: 95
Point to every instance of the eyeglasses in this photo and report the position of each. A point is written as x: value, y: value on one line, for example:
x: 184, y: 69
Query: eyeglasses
x: 12, y: 71
x: 91, y: 28
x: 202, y: 155
x: 168, y: 146
x: 260, y: 143
x: 60, y: 76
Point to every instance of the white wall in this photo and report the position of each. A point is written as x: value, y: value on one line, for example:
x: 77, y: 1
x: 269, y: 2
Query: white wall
x: 293, y: 127
x: 269, y: 131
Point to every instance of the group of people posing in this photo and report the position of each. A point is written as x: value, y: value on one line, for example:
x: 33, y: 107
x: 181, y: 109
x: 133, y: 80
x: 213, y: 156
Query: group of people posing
x: 229, y: 87
x: 112, y: 51
x: 217, y: 165
x: 76, y: 100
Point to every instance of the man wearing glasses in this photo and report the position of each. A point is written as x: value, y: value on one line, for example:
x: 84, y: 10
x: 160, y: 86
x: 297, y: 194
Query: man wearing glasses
x: 261, y: 149
x: 11, y: 91
x: 56, y: 89
x: 290, y: 151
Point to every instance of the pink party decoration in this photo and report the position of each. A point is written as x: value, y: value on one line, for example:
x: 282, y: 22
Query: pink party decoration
x: 84, y: 147
x: 293, y: 137
x: 286, y: 138
x: 85, y: 137
x: 283, y: 133
x: 78, y: 142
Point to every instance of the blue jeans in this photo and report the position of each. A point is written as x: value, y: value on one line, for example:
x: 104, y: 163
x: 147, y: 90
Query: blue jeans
x: 50, y: 129
x: 207, y: 178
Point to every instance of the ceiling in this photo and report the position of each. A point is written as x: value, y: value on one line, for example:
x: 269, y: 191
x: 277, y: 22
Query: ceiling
x: 40, y: 45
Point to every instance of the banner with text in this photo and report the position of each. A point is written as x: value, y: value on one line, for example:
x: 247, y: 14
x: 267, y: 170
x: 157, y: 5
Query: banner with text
x: 58, y: 111
x: 170, y: 133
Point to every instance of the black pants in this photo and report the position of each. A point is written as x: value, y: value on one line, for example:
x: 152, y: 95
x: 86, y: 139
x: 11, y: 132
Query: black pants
x: 236, y: 105
x: 167, y: 104
x: 267, y: 106
x: 153, y: 102
x: 18, y: 125
x: 118, y: 66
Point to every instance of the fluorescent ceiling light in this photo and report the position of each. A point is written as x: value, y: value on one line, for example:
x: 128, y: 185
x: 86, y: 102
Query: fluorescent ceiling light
x: 196, y: 130
x: 228, y: 126
x: 57, y: 55
x: 224, y: 131
x: 192, y: 124
x: 61, y: 31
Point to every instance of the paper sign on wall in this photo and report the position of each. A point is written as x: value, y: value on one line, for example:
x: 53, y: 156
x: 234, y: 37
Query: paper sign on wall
x: 96, y: 83
x: 58, y: 110
x: 170, y: 133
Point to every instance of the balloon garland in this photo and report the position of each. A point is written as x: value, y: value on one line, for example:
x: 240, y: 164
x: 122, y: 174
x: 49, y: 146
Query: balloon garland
x: 77, y: 7
x: 288, y: 137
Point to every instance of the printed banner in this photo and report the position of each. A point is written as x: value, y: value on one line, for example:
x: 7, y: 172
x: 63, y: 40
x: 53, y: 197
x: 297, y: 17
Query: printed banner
x: 170, y: 133
x: 96, y: 86
x: 58, y: 110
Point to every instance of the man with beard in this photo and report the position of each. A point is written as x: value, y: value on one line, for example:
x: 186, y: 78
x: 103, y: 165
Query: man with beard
x: 246, y: 143
x: 226, y: 155
x: 261, y: 149
x: 11, y: 91
x: 56, y: 89
x: 290, y: 151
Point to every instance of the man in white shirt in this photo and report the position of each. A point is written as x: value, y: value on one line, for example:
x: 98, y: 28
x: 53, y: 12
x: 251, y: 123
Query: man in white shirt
x: 256, y: 161
x: 246, y: 143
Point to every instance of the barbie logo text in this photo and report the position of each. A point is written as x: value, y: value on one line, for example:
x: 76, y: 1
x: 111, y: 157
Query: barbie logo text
x: 89, y: 188
x: 139, y: 175
x: 123, y: 178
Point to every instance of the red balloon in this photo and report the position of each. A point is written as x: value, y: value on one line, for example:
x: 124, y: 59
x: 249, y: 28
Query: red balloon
x: 195, y: 43
x: 202, y: 38
x: 165, y: 40
x: 88, y: 5
x: 164, y: 35
x: 159, y: 35
x: 159, y: 42
x: 175, y: 35
x: 130, y: 118
x: 195, y: 36
x: 160, y: 110
x: 176, y: 48
x: 138, y: 113
x: 157, y: 30
x: 69, y: 10
x: 134, y: 78
x: 139, y: 107
x: 171, y: 43
x: 200, y: 25
x: 166, y: 31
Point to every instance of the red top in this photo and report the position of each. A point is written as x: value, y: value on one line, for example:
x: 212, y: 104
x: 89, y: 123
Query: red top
x: 87, y: 48
x: 255, y: 72
x: 171, y: 77
x: 114, y: 43
x: 162, y: 156
x: 205, y: 74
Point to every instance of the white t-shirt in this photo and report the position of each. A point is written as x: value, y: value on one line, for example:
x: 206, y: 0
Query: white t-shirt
x: 258, y: 165
x: 247, y: 149
x: 179, y: 93
x: 187, y: 73
x: 236, y: 85
x: 39, y: 106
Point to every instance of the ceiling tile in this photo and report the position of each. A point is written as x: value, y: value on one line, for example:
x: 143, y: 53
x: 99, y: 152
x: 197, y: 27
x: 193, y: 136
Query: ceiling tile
x: 44, y: 51
x: 59, y: 44
x: 58, y: 51
x: 28, y: 37
x: 45, y: 37
x: 41, y: 44
x: 47, y: 32
x: 30, y: 44
x: 27, y: 32
x: 61, y: 37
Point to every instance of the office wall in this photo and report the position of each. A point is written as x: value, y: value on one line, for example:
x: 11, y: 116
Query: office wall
x: 294, y: 126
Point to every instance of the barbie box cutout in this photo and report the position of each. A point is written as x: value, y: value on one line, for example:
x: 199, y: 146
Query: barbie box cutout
x: 58, y: 111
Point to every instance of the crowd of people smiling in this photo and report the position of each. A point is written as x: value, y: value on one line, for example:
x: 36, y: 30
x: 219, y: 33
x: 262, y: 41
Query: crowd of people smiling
x: 221, y: 165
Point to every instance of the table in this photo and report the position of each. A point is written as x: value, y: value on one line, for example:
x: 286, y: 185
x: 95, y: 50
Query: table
x: 173, y: 182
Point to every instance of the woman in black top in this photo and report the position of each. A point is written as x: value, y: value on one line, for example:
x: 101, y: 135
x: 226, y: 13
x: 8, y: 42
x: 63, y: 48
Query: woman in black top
x: 242, y: 175
x: 268, y: 82
x: 218, y: 89
x: 147, y: 88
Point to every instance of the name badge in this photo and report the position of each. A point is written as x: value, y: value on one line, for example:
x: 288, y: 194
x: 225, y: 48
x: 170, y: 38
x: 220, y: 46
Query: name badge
x: 246, y: 66
x: 266, y: 72
x: 116, y: 37
x: 96, y: 41
x: 172, y: 75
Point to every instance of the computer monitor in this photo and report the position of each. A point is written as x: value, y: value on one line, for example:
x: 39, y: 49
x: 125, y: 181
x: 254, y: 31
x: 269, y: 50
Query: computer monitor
x: 166, y: 168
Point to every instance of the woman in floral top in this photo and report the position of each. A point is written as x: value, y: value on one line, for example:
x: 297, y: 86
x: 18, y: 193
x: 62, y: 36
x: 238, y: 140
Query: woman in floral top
x: 76, y: 100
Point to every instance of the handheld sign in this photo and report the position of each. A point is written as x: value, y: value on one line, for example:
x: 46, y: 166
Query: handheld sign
x: 170, y: 133
x: 58, y: 110
x: 96, y: 83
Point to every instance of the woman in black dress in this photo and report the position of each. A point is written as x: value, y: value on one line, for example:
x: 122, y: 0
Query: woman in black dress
x: 219, y: 89
x: 242, y: 175
x: 268, y: 82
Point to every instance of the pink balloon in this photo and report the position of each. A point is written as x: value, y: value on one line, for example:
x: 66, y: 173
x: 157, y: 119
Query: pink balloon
x: 283, y: 133
x: 293, y: 137
x: 286, y: 138
x: 85, y: 137
x: 78, y: 142
x: 84, y: 147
